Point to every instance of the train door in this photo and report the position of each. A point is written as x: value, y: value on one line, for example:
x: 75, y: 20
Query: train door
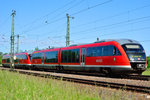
x: 82, y: 56
x: 43, y: 58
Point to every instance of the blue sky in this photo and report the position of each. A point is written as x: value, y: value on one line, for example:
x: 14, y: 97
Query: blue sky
x: 43, y: 23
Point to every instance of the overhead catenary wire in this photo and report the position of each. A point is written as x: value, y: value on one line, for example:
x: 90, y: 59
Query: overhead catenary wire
x: 50, y: 13
x: 145, y: 41
x: 94, y: 6
x: 119, y: 14
x: 129, y: 21
x: 71, y: 14
x: 112, y: 16
x: 94, y: 29
x: 113, y: 24
x: 55, y: 18
x: 4, y: 22
x: 120, y: 32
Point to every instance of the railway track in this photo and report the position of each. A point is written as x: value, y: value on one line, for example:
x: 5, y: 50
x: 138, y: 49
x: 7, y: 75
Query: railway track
x: 133, y: 77
x: 91, y: 80
x: 139, y: 77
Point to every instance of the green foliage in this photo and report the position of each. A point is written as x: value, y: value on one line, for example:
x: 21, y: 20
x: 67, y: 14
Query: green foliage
x: 148, y: 61
x: 0, y: 59
x: 1, y: 54
x: 147, y: 72
x: 5, y: 54
x: 36, y: 49
x: 14, y: 86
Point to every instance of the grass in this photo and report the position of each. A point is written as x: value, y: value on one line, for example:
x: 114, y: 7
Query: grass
x: 147, y: 72
x: 15, y: 86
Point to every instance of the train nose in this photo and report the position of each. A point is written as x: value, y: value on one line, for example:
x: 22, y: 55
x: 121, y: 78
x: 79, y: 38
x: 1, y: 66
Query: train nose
x: 138, y: 66
x: 141, y: 66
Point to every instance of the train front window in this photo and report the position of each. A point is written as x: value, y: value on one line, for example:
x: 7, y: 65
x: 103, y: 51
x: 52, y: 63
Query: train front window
x: 135, y: 52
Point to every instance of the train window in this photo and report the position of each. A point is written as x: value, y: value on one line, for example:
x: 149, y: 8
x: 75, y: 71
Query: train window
x: 73, y: 53
x: 133, y: 48
x: 62, y: 56
x: 108, y: 50
x: 51, y: 57
x: 105, y: 51
x: 77, y: 56
x: 65, y: 56
x: 100, y: 51
x: 70, y: 56
x: 17, y: 60
x: 20, y: 57
x: 36, y: 56
x: 89, y: 52
x: 24, y: 56
x: 8, y: 60
x: 94, y: 52
x: 30, y: 56
x: 116, y: 51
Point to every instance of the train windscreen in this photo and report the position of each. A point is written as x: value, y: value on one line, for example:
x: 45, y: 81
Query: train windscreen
x: 135, y: 52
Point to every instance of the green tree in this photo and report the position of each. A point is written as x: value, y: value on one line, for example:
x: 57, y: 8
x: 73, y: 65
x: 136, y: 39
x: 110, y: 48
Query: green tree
x: 148, y: 61
x: 0, y: 59
x: 36, y: 49
x: 1, y: 54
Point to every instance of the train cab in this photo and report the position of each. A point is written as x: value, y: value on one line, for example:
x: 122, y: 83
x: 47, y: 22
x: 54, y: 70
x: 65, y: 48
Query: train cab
x: 131, y: 58
x: 136, y: 56
x: 22, y: 60
x: 6, y: 61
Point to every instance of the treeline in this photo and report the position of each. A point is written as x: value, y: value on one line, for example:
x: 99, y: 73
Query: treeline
x: 0, y: 59
x: 148, y: 61
x: 1, y: 55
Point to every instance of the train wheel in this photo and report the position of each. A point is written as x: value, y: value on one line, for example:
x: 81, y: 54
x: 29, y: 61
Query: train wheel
x: 139, y: 73
x: 107, y: 72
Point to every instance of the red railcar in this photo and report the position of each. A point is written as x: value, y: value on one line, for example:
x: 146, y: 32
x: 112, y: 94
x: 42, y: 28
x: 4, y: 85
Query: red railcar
x: 118, y: 56
x: 6, y: 60
x: 22, y: 60
x: 46, y: 58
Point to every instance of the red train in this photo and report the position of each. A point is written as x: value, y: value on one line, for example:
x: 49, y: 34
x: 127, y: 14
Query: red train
x: 6, y: 60
x: 22, y: 60
x: 120, y: 56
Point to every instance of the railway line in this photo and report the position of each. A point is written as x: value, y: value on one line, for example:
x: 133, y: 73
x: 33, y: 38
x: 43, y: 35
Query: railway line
x: 139, y: 77
x: 140, y: 86
x: 132, y: 77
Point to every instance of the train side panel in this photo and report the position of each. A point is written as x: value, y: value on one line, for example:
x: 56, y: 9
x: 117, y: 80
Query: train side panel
x: 47, y: 59
x: 6, y: 61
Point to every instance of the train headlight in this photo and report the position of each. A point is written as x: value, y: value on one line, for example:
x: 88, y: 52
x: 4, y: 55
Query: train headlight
x: 132, y: 59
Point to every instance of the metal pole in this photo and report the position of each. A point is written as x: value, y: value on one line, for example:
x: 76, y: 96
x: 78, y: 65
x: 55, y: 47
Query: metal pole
x: 17, y: 43
x: 12, y: 41
x: 68, y: 30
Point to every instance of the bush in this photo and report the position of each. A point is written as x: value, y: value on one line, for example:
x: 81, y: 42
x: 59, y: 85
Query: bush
x: 148, y: 61
x: 0, y: 59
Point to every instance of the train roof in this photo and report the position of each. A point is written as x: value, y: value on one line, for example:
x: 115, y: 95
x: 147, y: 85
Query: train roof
x: 21, y: 53
x: 120, y: 41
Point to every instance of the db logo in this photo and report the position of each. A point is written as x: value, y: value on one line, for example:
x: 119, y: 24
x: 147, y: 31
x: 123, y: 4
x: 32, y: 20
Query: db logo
x: 99, y: 60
